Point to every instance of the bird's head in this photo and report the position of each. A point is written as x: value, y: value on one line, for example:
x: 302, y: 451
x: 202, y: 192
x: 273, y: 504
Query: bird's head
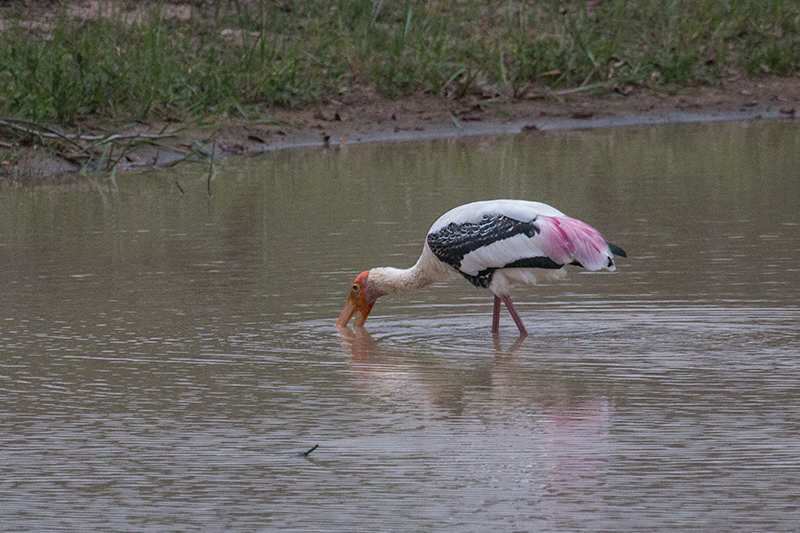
x: 360, y: 301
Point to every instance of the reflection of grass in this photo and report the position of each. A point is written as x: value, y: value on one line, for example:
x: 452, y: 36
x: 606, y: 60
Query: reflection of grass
x: 231, y: 58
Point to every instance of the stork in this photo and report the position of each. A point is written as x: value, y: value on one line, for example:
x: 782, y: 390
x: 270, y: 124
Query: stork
x: 495, y: 245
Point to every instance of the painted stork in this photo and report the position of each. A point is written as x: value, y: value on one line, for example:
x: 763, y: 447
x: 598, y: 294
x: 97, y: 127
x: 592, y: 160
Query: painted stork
x: 495, y: 245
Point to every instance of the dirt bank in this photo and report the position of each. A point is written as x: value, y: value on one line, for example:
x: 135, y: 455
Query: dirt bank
x: 362, y: 116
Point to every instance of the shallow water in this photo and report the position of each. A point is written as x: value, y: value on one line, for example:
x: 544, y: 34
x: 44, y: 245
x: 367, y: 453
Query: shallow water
x: 164, y: 357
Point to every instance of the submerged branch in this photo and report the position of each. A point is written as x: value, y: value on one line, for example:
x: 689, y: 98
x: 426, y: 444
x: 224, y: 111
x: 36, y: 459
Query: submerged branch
x: 307, y: 453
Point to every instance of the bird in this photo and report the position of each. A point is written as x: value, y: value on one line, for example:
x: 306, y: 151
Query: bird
x: 495, y: 245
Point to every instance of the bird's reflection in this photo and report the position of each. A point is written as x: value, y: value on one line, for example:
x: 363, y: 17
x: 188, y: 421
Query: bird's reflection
x: 359, y: 344
x: 513, y: 349
x: 561, y: 422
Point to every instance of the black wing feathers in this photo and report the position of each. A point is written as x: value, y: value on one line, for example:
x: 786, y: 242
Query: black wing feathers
x: 451, y: 243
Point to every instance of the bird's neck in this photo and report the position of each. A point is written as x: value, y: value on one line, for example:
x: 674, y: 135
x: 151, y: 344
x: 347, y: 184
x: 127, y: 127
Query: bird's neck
x: 388, y: 280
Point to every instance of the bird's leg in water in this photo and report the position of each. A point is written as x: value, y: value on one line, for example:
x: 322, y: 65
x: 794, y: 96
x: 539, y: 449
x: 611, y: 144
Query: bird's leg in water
x: 517, y: 320
x: 496, y: 315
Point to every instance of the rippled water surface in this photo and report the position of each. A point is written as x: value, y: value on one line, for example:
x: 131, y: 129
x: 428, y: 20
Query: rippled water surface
x: 163, y: 358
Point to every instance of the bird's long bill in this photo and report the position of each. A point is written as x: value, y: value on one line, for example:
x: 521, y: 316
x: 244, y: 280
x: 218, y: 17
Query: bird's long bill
x: 353, y: 306
x: 346, y: 314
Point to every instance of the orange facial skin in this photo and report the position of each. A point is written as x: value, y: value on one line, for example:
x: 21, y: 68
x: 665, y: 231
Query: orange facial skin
x: 359, y: 303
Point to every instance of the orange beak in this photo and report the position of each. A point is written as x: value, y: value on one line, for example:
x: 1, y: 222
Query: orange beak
x: 359, y: 303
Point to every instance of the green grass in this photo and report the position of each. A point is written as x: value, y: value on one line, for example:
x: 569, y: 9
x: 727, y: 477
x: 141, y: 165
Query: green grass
x: 285, y: 53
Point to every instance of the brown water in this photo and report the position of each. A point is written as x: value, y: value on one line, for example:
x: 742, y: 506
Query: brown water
x: 163, y: 358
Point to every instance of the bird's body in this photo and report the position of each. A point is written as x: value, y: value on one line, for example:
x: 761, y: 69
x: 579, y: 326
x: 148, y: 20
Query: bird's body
x: 493, y: 244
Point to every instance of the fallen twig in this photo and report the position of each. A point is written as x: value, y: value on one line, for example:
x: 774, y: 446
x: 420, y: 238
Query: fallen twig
x: 103, y: 139
x: 587, y: 87
x: 18, y: 125
x: 93, y: 152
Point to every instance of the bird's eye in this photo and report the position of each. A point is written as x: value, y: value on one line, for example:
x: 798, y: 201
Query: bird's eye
x: 355, y: 288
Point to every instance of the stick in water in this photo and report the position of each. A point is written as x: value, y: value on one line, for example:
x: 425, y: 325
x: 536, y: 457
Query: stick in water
x: 306, y: 454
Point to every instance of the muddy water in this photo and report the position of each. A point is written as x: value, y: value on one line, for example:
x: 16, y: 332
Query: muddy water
x: 164, y: 357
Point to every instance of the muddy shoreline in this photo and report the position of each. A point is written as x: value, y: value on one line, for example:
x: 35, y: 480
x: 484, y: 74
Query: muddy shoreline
x: 361, y: 117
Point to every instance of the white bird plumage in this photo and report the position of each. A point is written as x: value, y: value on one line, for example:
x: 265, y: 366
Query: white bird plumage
x: 494, y: 244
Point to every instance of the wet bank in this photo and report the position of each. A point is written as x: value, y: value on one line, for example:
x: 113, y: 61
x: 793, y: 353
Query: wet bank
x: 365, y: 117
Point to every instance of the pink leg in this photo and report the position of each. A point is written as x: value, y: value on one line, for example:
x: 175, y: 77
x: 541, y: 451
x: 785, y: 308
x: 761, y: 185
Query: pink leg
x: 517, y: 320
x: 496, y: 315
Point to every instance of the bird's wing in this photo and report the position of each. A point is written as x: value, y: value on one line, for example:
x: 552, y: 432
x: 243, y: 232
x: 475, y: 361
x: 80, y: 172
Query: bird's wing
x: 477, y: 239
x: 477, y: 249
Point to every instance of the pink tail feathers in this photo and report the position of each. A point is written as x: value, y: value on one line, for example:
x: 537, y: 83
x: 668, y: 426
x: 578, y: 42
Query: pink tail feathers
x: 566, y: 239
